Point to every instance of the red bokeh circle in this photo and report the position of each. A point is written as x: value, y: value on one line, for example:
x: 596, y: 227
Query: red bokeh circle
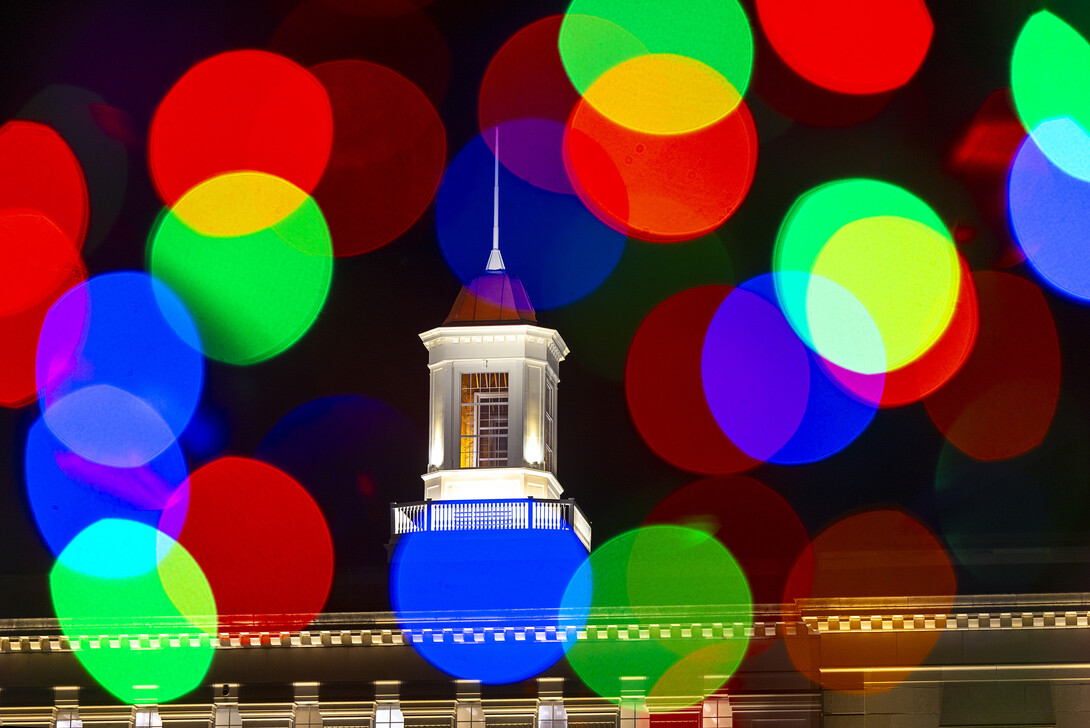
x: 57, y: 266
x: 389, y: 148
x: 756, y: 524
x: 527, y: 90
x: 849, y: 46
x: 261, y: 541
x: 1002, y: 400
x: 665, y: 390
x: 933, y: 368
x: 660, y: 187
x: 36, y: 257
x: 39, y: 172
x: 874, y: 561
x: 242, y: 110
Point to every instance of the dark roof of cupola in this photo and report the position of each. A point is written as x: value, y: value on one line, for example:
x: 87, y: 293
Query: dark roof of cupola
x: 494, y: 297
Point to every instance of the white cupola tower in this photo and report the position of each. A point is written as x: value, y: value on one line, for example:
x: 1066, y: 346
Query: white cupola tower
x: 494, y: 376
x: 492, y: 418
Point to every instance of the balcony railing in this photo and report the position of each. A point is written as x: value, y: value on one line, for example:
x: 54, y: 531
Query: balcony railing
x: 479, y: 515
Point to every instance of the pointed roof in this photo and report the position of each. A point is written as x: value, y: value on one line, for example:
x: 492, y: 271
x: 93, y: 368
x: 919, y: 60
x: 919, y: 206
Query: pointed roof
x: 493, y: 297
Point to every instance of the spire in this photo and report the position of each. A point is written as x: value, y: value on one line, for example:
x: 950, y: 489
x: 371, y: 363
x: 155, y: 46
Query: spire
x: 495, y: 260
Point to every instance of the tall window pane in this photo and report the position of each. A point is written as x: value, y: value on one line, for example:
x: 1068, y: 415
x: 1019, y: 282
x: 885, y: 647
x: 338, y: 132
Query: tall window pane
x: 484, y: 420
x: 550, y: 393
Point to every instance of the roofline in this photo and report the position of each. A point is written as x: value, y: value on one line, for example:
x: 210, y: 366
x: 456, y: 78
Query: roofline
x: 475, y: 329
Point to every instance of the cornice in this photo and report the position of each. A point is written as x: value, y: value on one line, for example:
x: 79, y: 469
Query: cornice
x: 442, y: 335
x: 815, y: 617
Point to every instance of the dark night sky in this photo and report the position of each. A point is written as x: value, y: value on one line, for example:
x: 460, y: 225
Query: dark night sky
x: 365, y: 341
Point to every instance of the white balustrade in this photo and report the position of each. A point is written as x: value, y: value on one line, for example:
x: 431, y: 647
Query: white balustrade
x: 514, y: 514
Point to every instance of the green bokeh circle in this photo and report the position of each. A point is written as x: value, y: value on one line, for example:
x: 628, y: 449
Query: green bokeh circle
x: 157, y: 590
x: 665, y: 579
x: 252, y: 296
x: 597, y: 35
x: 1050, y: 72
x: 818, y: 215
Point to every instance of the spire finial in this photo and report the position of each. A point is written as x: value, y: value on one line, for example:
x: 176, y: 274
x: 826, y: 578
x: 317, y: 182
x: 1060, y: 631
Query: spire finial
x: 495, y: 260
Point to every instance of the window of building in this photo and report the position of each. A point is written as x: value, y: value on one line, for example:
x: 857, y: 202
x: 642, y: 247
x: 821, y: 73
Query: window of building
x: 147, y: 716
x: 389, y: 715
x: 550, y: 427
x: 469, y: 715
x: 307, y: 716
x: 634, y: 714
x: 227, y: 716
x: 69, y: 718
x: 484, y: 420
x: 551, y: 714
x: 716, y: 713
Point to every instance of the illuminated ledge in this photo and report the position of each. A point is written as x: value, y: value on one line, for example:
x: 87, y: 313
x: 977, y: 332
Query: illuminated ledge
x: 517, y: 340
x: 491, y: 483
x: 382, y: 629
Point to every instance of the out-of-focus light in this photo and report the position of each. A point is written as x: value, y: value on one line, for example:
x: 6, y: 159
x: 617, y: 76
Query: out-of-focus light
x: 445, y: 583
x: 119, y: 368
x: 598, y: 36
x: 399, y: 37
x: 36, y: 258
x: 935, y: 367
x: 755, y: 523
x: 977, y: 499
x: 1002, y: 400
x: 355, y: 454
x: 68, y: 493
x: 874, y: 554
x: 252, y: 294
x: 769, y: 393
x: 849, y: 46
x: 602, y: 326
x: 660, y: 187
x: 1049, y: 70
x: 526, y: 90
x: 242, y: 110
x: 263, y: 579
x: 871, y: 238
x: 389, y: 148
x: 641, y: 576
x: 664, y: 389
x: 40, y: 174
x: 99, y: 135
x: 1049, y: 212
x: 550, y: 242
x: 124, y: 584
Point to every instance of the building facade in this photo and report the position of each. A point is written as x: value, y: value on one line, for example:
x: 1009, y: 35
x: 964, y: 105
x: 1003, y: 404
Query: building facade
x: 817, y: 663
